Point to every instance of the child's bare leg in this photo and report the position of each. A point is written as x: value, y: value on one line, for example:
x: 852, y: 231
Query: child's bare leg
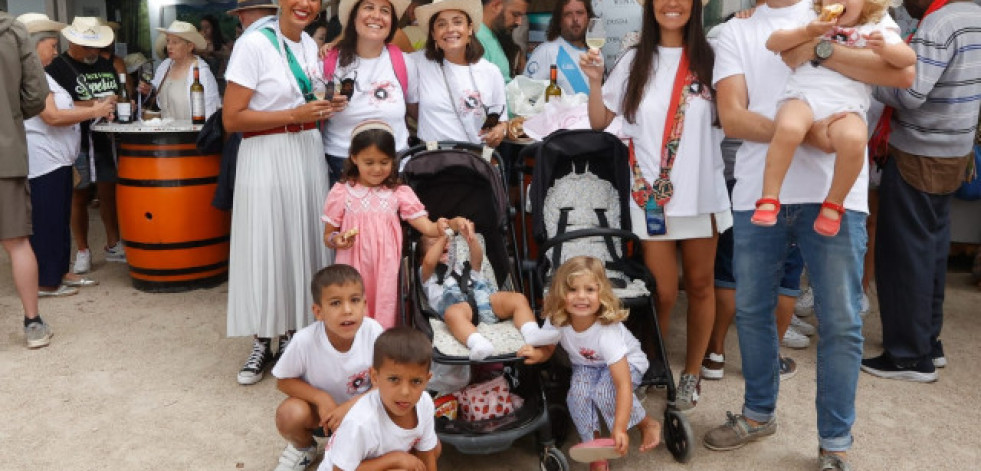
x: 650, y: 433
x: 849, y: 136
x: 296, y: 419
x: 507, y: 304
x: 793, y: 120
x: 459, y: 319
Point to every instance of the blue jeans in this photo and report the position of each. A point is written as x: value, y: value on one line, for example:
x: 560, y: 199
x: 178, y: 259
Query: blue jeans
x: 834, y: 266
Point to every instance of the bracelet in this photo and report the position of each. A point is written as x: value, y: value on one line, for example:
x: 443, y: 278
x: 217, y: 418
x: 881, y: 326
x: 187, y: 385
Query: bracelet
x: 331, y: 237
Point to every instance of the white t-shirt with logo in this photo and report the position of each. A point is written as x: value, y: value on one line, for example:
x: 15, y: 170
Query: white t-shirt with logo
x: 311, y: 357
x: 741, y: 50
x: 473, y: 87
x: 367, y: 432
x: 546, y: 54
x: 258, y: 65
x: 699, y: 185
x: 377, y: 95
x: 601, y: 345
x: 52, y: 147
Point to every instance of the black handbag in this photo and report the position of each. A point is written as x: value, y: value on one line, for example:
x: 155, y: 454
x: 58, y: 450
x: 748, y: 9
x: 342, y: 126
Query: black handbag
x: 211, y: 138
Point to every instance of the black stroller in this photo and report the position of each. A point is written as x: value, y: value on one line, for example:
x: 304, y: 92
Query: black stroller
x: 455, y: 180
x: 578, y: 199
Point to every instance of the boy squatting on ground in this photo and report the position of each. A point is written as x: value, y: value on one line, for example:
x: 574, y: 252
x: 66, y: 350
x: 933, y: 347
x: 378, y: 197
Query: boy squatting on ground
x: 445, y: 296
x: 392, y: 426
x: 326, y: 367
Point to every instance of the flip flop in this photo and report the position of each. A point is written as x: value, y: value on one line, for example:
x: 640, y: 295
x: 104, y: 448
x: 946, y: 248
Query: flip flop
x: 594, y: 450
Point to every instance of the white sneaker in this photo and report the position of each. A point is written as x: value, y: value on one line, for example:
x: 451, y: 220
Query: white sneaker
x: 293, y: 459
x: 116, y: 253
x: 863, y: 305
x: 802, y: 327
x: 794, y: 339
x: 83, y: 262
x: 805, y: 303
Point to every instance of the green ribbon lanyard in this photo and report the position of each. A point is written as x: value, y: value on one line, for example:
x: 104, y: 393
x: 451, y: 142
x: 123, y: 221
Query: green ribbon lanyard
x: 301, y: 77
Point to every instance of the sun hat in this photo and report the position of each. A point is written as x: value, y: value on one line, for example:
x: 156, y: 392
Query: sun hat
x: 39, y: 22
x: 112, y: 24
x: 87, y: 31
x: 344, y: 9
x: 183, y: 30
x: 252, y: 5
x: 134, y: 61
x: 473, y: 8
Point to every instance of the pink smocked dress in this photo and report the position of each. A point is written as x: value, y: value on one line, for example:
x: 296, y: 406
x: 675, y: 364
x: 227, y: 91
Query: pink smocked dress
x: 377, y: 248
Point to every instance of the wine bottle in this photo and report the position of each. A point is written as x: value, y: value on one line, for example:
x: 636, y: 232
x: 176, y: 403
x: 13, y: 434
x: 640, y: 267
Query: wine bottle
x: 553, y: 89
x: 124, y: 109
x: 197, y: 98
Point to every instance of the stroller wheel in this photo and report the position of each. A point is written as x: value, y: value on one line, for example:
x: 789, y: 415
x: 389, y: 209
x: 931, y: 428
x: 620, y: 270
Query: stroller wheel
x: 678, y: 436
x: 561, y: 421
x: 554, y: 460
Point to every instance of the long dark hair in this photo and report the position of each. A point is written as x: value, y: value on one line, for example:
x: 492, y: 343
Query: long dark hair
x: 380, y: 139
x: 348, y: 45
x: 217, y: 39
x: 474, y: 49
x: 700, y: 56
x: 555, y: 24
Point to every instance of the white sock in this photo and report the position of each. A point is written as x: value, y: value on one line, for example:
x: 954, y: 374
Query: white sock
x: 479, y: 346
x: 538, y: 337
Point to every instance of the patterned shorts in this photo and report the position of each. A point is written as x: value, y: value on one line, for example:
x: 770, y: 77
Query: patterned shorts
x: 481, y: 293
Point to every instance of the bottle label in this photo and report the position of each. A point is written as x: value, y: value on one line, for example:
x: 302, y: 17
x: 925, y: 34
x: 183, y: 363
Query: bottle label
x: 197, y: 105
x: 124, y: 111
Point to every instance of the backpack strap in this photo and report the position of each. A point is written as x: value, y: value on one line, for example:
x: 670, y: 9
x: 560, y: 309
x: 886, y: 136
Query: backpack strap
x: 464, y: 282
x: 394, y: 53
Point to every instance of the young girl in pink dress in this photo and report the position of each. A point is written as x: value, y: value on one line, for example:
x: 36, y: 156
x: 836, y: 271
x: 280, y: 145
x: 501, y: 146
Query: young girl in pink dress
x: 362, y: 217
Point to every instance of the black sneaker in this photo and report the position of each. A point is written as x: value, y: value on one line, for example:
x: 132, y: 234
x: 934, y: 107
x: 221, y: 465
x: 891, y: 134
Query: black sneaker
x: 937, y: 354
x: 883, y: 366
x: 788, y: 368
x: 255, y: 366
x: 284, y: 341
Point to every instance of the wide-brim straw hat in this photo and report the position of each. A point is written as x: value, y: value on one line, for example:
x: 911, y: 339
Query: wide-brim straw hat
x: 473, y: 8
x: 134, y: 61
x: 89, y: 32
x: 252, y: 5
x: 344, y: 9
x: 183, y: 30
x: 39, y: 23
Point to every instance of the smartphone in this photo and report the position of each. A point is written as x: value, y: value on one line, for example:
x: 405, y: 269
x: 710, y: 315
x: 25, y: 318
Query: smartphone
x: 330, y: 91
x: 491, y: 121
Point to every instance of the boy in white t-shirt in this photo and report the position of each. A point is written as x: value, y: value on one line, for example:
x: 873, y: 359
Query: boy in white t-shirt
x: 326, y: 367
x: 391, y: 427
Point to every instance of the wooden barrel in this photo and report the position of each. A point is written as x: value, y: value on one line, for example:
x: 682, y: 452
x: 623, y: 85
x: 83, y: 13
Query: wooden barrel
x: 175, y: 240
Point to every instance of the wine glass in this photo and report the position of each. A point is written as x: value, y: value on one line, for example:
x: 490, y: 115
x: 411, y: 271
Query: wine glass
x: 595, y: 35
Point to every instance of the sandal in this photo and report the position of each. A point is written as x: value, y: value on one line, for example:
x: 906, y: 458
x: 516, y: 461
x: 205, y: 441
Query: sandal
x: 826, y: 226
x: 600, y: 449
x: 766, y: 217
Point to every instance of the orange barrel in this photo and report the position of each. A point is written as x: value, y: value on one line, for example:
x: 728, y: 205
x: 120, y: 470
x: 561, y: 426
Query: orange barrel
x: 175, y: 240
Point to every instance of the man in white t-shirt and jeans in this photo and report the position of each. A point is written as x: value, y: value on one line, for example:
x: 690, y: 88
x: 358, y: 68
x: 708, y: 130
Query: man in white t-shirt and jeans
x: 748, y: 79
x: 566, y: 42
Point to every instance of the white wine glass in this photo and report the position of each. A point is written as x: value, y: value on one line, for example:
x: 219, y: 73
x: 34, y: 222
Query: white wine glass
x: 596, y: 35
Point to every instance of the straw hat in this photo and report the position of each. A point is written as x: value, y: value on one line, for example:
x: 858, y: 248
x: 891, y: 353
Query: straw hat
x: 87, y: 31
x: 252, y: 5
x: 183, y: 30
x: 344, y: 10
x: 473, y: 8
x: 134, y: 61
x: 39, y: 22
x: 112, y: 24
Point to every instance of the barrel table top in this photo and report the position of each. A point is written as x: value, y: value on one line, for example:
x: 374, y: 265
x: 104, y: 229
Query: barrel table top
x: 151, y: 126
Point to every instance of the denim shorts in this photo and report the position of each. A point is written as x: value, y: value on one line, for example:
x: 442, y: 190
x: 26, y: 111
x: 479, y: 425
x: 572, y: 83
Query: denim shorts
x: 793, y: 266
x: 481, y: 293
x: 105, y: 169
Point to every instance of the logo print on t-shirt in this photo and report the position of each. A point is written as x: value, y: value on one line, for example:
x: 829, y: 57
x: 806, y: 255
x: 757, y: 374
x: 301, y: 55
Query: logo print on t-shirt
x: 415, y: 443
x: 359, y: 382
x: 382, y: 92
x: 470, y: 102
x: 846, y: 36
x: 588, y: 354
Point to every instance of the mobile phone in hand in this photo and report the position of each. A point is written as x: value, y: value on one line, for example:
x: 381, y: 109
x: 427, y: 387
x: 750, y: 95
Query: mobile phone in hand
x: 491, y: 121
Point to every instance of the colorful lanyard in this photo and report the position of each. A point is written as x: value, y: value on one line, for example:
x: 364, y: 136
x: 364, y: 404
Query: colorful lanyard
x: 685, y: 85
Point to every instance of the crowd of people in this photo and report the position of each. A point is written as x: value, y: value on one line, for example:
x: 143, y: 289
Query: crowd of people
x: 740, y: 160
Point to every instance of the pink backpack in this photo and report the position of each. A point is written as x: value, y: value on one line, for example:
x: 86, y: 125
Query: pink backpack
x: 398, y: 64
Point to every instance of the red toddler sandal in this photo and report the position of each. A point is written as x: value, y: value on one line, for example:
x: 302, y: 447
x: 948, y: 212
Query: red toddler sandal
x: 766, y: 217
x: 826, y: 226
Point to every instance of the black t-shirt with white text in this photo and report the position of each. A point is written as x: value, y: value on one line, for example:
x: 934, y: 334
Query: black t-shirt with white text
x: 86, y: 82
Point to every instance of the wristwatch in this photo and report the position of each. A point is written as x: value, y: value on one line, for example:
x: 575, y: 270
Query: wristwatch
x: 822, y: 51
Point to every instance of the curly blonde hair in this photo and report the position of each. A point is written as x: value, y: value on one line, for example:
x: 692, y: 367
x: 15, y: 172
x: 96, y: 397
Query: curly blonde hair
x: 872, y: 10
x: 610, y: 308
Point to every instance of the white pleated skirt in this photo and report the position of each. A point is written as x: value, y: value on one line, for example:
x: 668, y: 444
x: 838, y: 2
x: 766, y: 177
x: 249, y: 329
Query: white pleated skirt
x: 681, y: 227
x: 277, y: 236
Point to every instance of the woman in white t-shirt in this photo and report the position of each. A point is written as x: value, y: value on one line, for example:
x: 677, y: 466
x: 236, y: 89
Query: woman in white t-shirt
x: 670, y: 65
x: 465, y: 98
x: 53, y: 140
x: 368, y: 74
x: 280, y: 184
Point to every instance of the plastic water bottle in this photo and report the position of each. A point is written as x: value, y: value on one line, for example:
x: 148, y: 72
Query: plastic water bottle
x: 655, y: 218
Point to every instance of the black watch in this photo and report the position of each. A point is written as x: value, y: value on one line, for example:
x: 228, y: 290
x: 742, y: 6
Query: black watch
x: 822, y: 51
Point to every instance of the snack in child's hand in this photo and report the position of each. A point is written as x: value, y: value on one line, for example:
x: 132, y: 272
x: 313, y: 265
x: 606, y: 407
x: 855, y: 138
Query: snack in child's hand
x: 831, y: 12
x: 350, y: 233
